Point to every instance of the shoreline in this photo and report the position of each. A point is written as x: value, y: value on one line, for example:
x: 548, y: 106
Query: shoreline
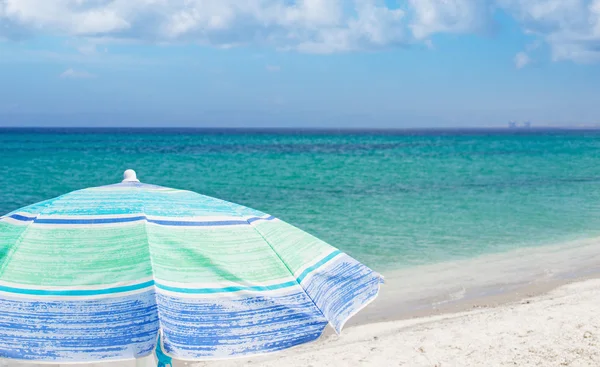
x: 485, y: 281
x: 498, y: 299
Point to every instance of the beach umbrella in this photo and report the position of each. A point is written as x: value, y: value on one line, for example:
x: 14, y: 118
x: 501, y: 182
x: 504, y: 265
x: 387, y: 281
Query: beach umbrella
x: 106, y: 273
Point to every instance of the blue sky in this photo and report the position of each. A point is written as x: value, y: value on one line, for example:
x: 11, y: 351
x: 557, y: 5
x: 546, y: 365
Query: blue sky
x: 307, y: 63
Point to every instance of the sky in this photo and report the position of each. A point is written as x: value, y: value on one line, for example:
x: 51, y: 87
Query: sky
x: 299, y: 63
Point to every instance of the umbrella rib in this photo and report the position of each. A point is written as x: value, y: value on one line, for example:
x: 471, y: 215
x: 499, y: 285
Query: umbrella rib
x: 287, y: 267
x: 143, y: 210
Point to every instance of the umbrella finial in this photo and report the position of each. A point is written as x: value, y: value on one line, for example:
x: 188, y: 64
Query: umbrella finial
x: 130, y: 176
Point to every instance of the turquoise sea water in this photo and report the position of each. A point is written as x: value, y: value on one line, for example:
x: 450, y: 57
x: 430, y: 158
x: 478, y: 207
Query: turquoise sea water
x: 390, y: 199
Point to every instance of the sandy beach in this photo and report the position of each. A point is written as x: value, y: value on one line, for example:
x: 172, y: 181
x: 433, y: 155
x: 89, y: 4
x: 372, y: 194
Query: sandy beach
x: 559, y: 328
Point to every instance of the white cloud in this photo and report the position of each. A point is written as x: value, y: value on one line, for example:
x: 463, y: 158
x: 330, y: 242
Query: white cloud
x: 87, y: 49
x: 374, y: 26
x: 571, y: 28
x: 273, y: 68
x: 76, y: 17
x: 76, y: 74
x: 449, y: 16
x: 521, y: 60
x: 301, y: 24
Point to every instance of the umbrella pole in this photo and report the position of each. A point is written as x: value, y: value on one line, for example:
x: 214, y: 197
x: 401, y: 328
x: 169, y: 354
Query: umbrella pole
x: 162, y: 359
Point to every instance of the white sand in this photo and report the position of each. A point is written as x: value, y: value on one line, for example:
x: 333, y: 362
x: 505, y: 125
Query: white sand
x: 561, y: 328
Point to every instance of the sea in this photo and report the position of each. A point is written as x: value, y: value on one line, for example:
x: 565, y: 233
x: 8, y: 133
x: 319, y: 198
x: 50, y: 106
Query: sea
x: 393, y: 199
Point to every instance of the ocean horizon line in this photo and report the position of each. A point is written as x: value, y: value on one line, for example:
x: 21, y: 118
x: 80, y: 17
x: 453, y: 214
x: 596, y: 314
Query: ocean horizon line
x: 303, y: 130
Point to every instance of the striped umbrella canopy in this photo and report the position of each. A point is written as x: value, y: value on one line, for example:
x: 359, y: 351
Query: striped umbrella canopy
x: 106, y: 273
